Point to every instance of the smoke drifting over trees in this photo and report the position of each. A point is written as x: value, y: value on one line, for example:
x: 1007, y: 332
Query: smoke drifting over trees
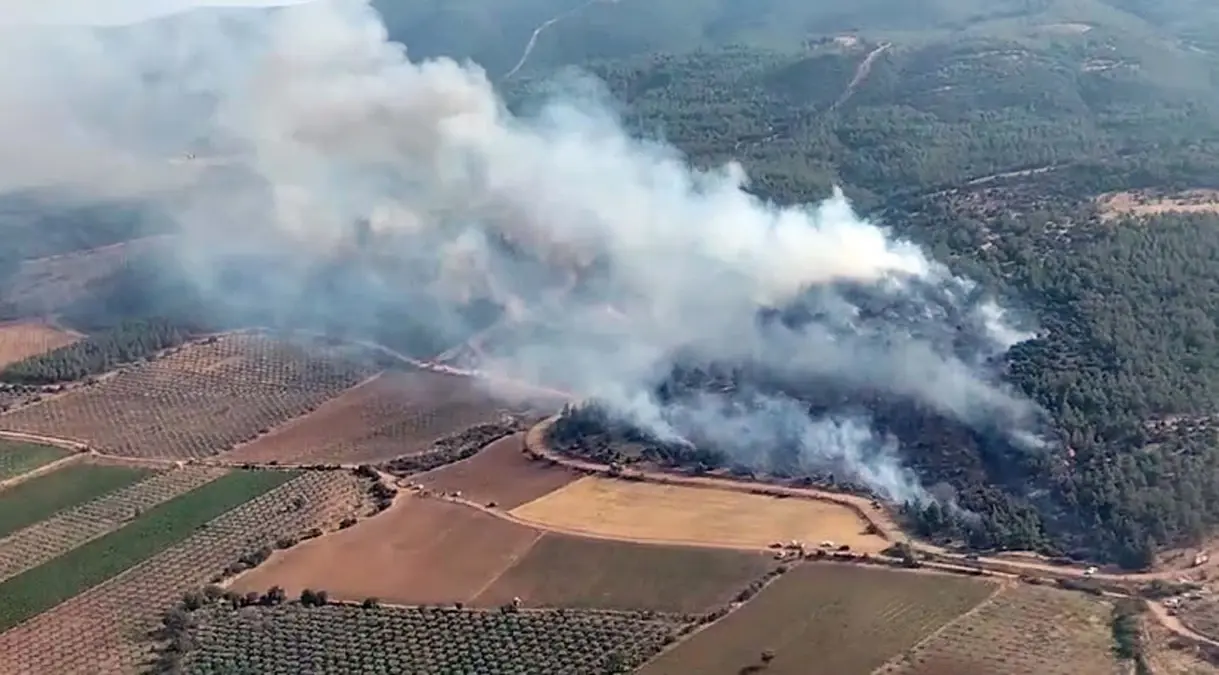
x: 305, y: 121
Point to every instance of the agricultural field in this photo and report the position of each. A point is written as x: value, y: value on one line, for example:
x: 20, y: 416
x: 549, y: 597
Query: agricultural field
x: 825, y: 619
x: 17, y: 457
x: 104, y: 629
x: 640, y: 511
x: 198, y: 400
x: 566, y: 571
x: 420, y: 551
x: 501, y: 474
x: 1023, y: 630
x: 398, y: 413
x: 40, y: 588
x: 343, y: 639
x: 50, y: 538
x: 41, y: 497
x: 21, y: 340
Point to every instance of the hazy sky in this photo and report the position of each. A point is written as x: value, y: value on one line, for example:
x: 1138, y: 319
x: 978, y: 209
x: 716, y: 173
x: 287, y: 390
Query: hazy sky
x: 110, y: 12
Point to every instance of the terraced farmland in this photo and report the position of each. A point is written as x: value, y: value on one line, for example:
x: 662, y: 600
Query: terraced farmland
x: 349, y: 639
x: 55, y: 536
x: 396, y: 414
x: 825, y: 619
x: 41, y: 497
x: 104, y: 629
x: 1024, y: 630
x: 17, y: 458
x: 200, y: 400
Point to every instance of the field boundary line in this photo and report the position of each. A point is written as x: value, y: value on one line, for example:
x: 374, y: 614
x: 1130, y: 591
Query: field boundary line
x: 512, y: 563
x: 1000, y: 588
x: 43, y: 470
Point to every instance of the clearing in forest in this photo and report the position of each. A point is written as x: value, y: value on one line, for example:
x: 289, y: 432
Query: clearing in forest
x: 18, y: 457
x: 500, y: 474
x: 41, y: 497
x: 22, y: 340
x: 1023, y: 630
x: 419, y: 551
x: 1117, y: 204
x: 105, y: 629
x: 398, y: 413
x: 567, y: 571
x: 641, y: 511
x: 198, y: 400
x: 825, y: 619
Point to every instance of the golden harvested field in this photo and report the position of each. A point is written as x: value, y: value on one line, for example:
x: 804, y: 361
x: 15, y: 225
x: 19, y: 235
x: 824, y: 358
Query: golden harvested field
x: 1024, y: 630
x: 1118, y: 204
x: 21, y: 340
x: 501, y: 474
x: 393, y: 415
x: 38, y: 543
x: 639, y: 511
x: 199, y: 400
x: 419, y: 551
x: 102, y: 630
x: 826, y: 619
x: 566, y: 571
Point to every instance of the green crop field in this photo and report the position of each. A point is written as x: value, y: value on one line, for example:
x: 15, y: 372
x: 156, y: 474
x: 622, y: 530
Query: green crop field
x: 33, y: 500
x: 18, y: 458
x: 49, y: 584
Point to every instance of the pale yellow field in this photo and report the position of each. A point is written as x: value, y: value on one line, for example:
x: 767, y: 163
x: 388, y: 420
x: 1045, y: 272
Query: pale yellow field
x: 1117, y: 204
x: 639, y: 511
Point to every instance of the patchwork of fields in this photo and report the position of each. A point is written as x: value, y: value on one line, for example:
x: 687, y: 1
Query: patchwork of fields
x: 521, y: 561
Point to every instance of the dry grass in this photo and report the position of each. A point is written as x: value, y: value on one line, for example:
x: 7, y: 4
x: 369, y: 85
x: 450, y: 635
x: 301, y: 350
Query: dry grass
x: 396, y: 414
x: 1168, y: 654
x: 1024, y: 630
x: 825, y: 619
x: 197, y: 401
x: 1118, y: 204
x: 638, y: 511
x: 44, y: 285
x: 21, y: 340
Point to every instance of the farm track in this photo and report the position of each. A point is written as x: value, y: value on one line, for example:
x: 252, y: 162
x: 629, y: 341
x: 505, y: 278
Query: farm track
x: 105, y: 629
x: 50, y: 538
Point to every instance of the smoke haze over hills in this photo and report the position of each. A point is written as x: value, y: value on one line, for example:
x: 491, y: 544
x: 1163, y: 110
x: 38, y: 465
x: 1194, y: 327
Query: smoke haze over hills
x: 307, y: 120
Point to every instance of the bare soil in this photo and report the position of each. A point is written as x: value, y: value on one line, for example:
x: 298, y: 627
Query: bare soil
x: 567, y: 571
x: 1118, y: 204
x: 390, y: 416
x: 502, y: 473
x: 420, y: 551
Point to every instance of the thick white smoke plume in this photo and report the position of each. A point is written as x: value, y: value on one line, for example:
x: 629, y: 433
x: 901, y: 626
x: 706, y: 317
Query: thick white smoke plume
x: 304, y: 120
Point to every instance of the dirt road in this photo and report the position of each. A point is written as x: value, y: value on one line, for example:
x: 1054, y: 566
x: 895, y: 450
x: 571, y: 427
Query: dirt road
x: 861, y: 74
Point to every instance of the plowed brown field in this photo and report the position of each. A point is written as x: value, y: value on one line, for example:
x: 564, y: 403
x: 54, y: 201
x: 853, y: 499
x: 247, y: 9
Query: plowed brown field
x: 396, y: 414
x: 500, y: 473
x: 420, y: 551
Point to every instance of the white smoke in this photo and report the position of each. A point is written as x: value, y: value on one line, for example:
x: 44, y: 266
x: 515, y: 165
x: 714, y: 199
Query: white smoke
x: 307, y: 119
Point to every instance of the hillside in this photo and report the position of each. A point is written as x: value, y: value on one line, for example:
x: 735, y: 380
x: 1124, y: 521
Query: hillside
x: 984, y: 132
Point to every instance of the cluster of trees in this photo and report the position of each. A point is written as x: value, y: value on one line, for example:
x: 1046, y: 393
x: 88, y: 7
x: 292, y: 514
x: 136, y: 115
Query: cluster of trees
x: 128, y: 342
x: 452, y: 448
